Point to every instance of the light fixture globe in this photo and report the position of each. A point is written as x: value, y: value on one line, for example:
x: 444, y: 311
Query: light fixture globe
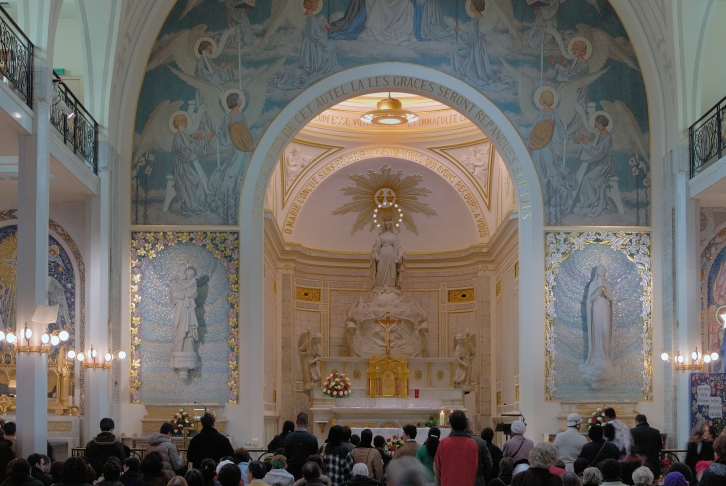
x: 11, y: 337
x: 389, y: 112
x: 714, y: 356
x: 64, y: 335
x: 54, y: 340
x: 71, y: 354
x: 45, y: 338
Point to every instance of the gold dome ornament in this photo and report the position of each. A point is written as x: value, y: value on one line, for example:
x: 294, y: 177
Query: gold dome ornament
x: 390, y: 112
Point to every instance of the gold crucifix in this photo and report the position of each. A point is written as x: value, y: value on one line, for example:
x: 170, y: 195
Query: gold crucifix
x: 388, y: 323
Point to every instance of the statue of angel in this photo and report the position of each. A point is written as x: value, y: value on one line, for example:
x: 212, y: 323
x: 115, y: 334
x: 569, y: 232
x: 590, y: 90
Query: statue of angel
x: 547, y: 109
x: 232, y: 134
x: 317, y: 56
x: 469, y: 56
x: 179, y: 132
x: 464, y: 352
x: 308, y: 348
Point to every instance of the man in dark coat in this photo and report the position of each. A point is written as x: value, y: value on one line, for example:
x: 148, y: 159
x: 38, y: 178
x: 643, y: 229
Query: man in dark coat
x: 646, y: 441
x: 208, y: 443
x: 485, y: 458
x: 495, y: 452
x: 103, y: 446
x: 40, y: 465
x: 299, y: 445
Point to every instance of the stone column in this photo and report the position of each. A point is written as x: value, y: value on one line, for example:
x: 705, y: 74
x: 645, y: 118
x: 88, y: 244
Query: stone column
x: 32, y: 266
x: 97, y: 275
x: 687, y: 332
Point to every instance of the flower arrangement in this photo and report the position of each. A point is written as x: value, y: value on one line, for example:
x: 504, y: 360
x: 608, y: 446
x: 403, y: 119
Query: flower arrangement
x: 180, y: 421
x: 337, y: 385
x: 431, y: 421
x: 393, y: 443
x: 597, y: 418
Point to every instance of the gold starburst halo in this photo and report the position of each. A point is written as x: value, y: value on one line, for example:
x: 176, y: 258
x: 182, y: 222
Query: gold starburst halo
x: 383, y: 196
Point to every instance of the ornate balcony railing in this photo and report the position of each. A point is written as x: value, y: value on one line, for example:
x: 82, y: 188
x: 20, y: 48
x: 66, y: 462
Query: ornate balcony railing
x: 707, y: 138
x: 75, y: 124
x: 16, y: 58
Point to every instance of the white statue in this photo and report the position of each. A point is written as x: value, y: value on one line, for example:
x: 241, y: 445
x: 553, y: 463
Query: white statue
x: 599, y: 370
x: 464, y: 354
x: 309, y: 346
x: 182, y: 296
x: 388, y: 258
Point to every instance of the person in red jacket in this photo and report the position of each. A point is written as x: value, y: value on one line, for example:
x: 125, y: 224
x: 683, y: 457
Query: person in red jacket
x: 457, y: 457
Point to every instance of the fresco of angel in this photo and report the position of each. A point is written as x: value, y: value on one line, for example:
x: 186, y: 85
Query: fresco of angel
x: 178, y: 132
x: 470, y: 57
x: 234, y: 139
x: 237, y: 22
x: 626, y: 137
x: 429, y: 23
x: 317, y: 57
x: 592, y: 195
x: 586, y: 53
x: 545, y: 20
x: 547, y: 108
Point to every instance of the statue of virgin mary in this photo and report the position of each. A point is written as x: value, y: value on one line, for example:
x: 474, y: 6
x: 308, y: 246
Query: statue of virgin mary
x: 387, y: 257
x: 599, y: 371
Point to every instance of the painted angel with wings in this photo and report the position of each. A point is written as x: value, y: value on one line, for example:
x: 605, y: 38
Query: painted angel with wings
x: 233, y: 137
x: 317, y: 56
x: 469, y: 56
x: 195, y: 55
x: 181, y: 133
x: 547, y: 108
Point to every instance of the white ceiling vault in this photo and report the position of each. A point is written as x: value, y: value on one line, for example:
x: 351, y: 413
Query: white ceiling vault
x: 448, y: 188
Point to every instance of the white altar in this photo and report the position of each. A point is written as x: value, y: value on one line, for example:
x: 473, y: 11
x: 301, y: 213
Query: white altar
x: 421, y: 432
x: 430, y: 390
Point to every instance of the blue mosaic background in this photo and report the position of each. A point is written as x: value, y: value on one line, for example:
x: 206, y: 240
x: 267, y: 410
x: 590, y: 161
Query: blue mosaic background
x: 160, y: 384
x: 572, y: 279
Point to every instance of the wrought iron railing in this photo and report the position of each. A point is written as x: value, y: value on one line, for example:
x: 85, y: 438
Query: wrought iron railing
x: 707, y: 138
x: 75, y: 124
x: 16, y: 58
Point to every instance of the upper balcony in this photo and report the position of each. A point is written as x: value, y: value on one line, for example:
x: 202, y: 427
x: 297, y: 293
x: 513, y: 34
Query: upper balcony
x: 707, y: 144
x: 75, y: 124
x: 16, y: 58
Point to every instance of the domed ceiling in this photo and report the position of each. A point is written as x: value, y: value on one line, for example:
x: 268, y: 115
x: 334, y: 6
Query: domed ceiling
x: 438, y: 178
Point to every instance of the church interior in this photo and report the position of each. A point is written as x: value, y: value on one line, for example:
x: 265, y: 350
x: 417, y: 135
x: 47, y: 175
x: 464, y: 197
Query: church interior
x: 513, y: 208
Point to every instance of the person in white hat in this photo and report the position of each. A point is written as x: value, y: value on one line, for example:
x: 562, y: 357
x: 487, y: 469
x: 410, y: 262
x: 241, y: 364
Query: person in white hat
x: 518, y: 446
x: 570, y: 442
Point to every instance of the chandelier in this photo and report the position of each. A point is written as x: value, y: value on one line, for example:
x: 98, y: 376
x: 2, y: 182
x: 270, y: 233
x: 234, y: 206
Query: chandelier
x: 390, y: 112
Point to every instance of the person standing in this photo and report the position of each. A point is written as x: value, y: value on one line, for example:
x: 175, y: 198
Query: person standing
x: 410, y: 446
x: 299, y: 445
x: 39, y: 469
x: 103, y: 446
x: 541, y: 458
x: 647, y: 442
x: 208, y: 443
x: 570, y: 442
x: 485, y: 459
x: 700, y: 445
x: 518, y: 446
x: 366, y: 454
x: 427, y: 452
x: 279, y: 441
x: 457, y: 457
x: 488, y: 435
x: 622, y: 433
x: 10, y: 430
x: 161, y: 443
x: 598, y: 449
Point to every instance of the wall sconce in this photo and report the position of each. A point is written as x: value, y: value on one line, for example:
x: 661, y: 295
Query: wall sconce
x: 88, y: 360
x: 698, y: 362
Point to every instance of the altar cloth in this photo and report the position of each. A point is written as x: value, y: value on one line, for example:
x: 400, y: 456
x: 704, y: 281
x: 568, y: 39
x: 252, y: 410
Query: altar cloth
x: 387, y: 433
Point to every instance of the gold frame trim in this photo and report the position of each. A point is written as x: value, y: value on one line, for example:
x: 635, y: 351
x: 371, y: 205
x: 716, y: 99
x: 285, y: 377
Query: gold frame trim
x: 458, y: 296
x: 308, y: 294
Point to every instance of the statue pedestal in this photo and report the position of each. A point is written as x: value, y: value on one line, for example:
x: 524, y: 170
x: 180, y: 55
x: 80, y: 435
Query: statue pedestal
x: 184, y: 360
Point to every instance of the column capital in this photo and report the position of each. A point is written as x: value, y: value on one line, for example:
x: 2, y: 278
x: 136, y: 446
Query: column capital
x: 680, y: 156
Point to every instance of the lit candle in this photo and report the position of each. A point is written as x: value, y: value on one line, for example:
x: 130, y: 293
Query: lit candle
x: 442, y: 418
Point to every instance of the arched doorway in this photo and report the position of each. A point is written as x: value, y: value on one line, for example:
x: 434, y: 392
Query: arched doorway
x: 433, y: 84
